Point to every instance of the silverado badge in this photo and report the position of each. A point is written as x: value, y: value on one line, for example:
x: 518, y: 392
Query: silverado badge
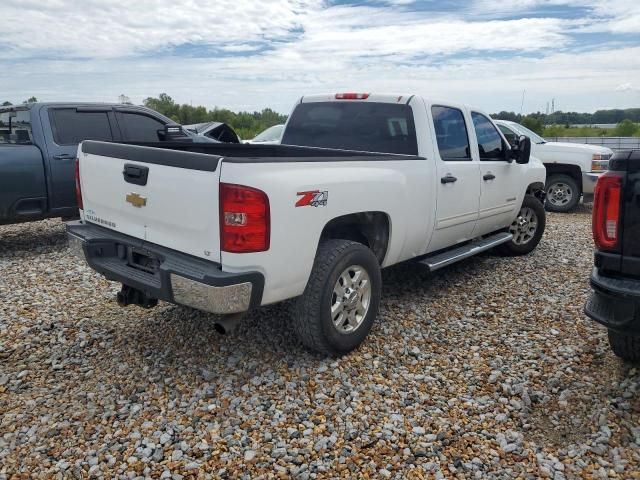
x: 136, y: 200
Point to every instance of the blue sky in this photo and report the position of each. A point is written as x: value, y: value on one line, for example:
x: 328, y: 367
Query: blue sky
x: 247, y: 55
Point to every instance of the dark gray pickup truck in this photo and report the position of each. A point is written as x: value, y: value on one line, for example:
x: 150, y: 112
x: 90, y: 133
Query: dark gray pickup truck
x: 38, y: 144
x: 615, y: 301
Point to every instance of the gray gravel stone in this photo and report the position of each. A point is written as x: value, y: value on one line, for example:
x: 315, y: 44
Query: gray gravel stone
x: 489, y: 354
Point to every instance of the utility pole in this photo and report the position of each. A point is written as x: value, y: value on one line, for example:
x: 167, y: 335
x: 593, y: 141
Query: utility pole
x: 522, y: 103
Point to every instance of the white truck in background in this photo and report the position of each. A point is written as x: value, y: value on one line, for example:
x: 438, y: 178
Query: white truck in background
x: 572, y: 168
x: 226, y: 228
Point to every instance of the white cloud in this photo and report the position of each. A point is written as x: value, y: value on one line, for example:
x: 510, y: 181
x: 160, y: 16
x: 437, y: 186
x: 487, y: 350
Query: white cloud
x: 67, y: 50
x: 575, y: 80
x: 116, y: 28
x: 627, y: 87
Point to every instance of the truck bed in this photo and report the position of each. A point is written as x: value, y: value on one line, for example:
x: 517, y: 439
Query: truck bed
x: 168, y: 193
x: 243, y: 153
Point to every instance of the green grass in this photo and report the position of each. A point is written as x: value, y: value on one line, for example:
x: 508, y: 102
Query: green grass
x: 562, y: 131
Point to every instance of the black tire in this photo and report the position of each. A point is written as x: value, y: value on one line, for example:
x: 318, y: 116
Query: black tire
x: 514, y: 247
x: 625, y: 346
x: 556, y: 181
x: 312, y: 311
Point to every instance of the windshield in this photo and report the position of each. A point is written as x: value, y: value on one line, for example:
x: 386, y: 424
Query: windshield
x: 15, y: 127
x: 364, y: 126
x: 271, y: 134
x: 535, y: 138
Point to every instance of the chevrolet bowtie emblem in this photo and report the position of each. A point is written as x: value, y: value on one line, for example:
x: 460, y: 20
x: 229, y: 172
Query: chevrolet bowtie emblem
x: 136, y: 200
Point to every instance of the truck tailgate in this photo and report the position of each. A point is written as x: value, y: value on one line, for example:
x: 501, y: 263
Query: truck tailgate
x: 166, y: 197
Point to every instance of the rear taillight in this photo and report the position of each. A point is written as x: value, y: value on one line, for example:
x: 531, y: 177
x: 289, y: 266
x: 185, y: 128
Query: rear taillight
x: 352, y: 96
x: 606, y: 211
x: 244, y: 219
x: 78, y: 188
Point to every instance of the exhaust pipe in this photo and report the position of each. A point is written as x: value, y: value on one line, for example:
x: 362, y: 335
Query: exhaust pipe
x: 226, y: 324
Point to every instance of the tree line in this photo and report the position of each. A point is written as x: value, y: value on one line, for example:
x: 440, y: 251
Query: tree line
x: 564, y: 118
x: 246, y: 124
x: 558, y: 124
x: 249, y: 124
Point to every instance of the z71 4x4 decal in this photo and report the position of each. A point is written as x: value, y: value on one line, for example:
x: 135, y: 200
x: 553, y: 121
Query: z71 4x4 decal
x: 314, y: 198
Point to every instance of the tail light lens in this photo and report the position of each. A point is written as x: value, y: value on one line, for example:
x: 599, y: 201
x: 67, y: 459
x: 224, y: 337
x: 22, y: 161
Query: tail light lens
x: 244, y: 219
x: 606, y: 211
x: 78, y: 188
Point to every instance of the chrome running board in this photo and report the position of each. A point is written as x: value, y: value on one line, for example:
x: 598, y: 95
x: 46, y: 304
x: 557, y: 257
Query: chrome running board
x: 441, y: 260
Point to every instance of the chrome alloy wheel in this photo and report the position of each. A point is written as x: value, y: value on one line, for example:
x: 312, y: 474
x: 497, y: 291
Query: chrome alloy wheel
x: 524, y: 226
x: 559, y: 194
x: 350, y: 299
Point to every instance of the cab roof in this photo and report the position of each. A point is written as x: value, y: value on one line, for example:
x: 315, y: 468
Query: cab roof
x: 399, y: 98
x: 29, y: 106
x: 366, y: 97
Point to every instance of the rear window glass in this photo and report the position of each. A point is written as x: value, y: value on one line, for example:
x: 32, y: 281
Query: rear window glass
x: 365, y: 126
x: 15, y: 127
x: 71, y: 127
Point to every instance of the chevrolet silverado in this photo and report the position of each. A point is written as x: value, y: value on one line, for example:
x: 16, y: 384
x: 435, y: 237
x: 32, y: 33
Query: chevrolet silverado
x: 360, y: 182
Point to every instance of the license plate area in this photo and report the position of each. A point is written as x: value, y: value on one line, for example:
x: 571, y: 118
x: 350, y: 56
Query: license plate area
x: 139, y: 259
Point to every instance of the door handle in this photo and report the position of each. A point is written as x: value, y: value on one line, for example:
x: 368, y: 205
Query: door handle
x: 448, y: 179
x: 489, y: 176
x: 64, y: 156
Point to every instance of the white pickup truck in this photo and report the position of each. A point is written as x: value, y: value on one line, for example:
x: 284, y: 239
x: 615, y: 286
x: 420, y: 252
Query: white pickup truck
x: 572, y: 168
x: 226, y: 228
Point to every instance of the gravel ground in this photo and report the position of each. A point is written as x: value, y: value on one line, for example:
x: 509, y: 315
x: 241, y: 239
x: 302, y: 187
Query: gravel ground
x: 487, y: 369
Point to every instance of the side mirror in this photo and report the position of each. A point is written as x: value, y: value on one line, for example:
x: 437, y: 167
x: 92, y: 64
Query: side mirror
x: 512, y: 139
x: 173, y: 133
x: 521, y: 152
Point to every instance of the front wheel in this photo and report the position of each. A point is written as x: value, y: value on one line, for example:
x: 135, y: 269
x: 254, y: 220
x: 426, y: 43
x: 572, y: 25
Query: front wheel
x: 527, y: 228
x: 340, y: 303
x: 563, y: 193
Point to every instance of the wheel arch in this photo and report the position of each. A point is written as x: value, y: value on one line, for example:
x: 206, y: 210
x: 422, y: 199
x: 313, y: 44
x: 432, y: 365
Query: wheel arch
x: 573, y: 171
x: 372, y: 229
x: 536, y: 189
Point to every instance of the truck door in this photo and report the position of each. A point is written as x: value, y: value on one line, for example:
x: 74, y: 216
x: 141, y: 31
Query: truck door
x: 23, y: 192
x: 69, y: 127
x: 458, y: 179
x: 500, y: 181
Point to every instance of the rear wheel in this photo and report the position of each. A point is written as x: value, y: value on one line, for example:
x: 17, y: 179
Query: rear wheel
x: 340, y: 303
x: 527, y: 228
x: 563, y: 193
x: 625, y: 346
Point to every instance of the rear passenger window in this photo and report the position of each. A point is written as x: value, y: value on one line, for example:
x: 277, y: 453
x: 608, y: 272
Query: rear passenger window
x: 71, y: 127
x: 489, y: 140
x: 451, y: 132
x: 139, y: 128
